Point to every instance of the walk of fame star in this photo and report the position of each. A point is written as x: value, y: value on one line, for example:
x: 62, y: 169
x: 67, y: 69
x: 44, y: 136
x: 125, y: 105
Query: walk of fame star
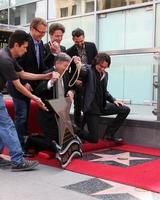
x: 122, y: 158
x: 118, y: 188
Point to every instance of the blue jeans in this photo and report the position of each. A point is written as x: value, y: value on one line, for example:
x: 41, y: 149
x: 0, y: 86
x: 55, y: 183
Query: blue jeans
x: 21, y: 117
x: 8, y: 135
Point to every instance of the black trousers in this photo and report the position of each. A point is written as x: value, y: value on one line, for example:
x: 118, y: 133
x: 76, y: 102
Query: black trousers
x: 48, y: 123
x: 92, y: 121
x: 78, y: 101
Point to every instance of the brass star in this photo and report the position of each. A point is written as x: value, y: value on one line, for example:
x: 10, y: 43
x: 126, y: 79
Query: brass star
x: 61, y: 105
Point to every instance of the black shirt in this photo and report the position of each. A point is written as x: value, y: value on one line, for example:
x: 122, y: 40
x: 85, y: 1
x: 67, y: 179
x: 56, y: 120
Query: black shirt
x: 8, y: 67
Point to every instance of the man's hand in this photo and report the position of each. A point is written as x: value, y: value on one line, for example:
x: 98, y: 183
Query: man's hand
x: 55, y: 76
x: 76, y: 59
x: 48, y: 76
x: 54, y: 47
x: 28, y: 87
x: 79, y: 83
x: 119, y: 103
x: 40, y: 103
x: 70, y: 94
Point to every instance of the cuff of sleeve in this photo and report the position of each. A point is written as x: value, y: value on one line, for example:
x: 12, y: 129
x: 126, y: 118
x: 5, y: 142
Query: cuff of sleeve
x: 50, y: 84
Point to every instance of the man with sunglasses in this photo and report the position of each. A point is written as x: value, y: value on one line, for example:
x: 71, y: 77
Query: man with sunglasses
x: 98, y: 101
x: 32, y: 61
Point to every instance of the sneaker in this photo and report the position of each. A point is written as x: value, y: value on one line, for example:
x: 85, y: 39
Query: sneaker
x: 4, y: 162
x: 29, y: 154
x: 27, y: 165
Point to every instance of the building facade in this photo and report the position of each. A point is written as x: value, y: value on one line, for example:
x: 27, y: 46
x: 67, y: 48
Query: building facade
x: 129, y: 30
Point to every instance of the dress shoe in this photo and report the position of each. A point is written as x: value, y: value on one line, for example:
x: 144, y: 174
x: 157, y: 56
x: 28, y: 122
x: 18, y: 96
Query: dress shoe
x: 114, y: 139
x: 117, y: 140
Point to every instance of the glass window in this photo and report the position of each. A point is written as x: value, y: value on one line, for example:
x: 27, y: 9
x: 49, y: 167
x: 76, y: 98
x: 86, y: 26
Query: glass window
x: 4, y: 4
x: 131, y: 78
x: 111, y: 31
x: 158, y: 26
x: 89, y: 6
x: 106, y: 4
x: 20, y: 2
x: 125, y: 29
x: 22, y: 15
x: 64, y: 8
x: 4, y: 16
x: 41, y: 9
x: 64, y: 12
x: 139, y: 28
x: 86, y: 23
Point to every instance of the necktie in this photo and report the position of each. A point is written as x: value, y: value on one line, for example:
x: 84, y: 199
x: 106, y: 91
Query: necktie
x: 37, y: 53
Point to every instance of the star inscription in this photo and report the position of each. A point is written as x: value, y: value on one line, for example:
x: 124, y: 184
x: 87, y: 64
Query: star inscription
x: 61, y: 105
x: 122, y: 158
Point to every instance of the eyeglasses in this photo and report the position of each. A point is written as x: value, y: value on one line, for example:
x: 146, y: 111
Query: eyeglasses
x: 41, y: 32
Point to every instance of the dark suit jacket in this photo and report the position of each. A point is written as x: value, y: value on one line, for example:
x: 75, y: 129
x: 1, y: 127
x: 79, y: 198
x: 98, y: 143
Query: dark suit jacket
x: 90, y: 89
x: 91, y: 52
x: 29, y: 63
x: 44, y: 93
x: 49, y: 57
x: 47, y: 120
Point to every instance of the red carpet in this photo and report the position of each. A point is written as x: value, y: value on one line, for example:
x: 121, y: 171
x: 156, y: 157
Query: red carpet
x: 145, y: 175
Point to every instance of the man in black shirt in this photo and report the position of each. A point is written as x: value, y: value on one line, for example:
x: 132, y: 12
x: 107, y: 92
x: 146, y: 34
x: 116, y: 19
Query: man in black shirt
x: 11, y: 71
x: 86, y: 51
x: 95, y: 102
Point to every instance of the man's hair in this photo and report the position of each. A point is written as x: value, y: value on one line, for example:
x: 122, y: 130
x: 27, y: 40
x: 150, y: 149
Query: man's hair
x: 77, y: 32
x: 36, y: 22
x: 56, y: 26
x: 101, y: 57
x: 19, y: 37
x: 62, y: 57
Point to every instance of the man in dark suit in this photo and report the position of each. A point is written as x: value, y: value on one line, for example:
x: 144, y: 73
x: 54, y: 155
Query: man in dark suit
x: 86, y: 51
x: 98, y: 101
x: 46, y: 90
x: 32, y: 62
x: 53, y: 47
